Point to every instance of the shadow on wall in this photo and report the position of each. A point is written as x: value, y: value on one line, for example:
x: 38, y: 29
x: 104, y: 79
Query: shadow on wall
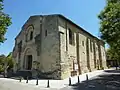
x: 109, y: 81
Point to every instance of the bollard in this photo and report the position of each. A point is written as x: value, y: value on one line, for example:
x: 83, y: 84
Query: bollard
x: 37, y: 82
x: 78, y: 79
x: 87, y: 77
x: 20, y: 79
x: 48, y: 84
x: 69, y: 81
x: 27, y: 80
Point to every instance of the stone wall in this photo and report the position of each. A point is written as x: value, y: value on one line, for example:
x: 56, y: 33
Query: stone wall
x: 83, y: 52
x: 50, y: 58
x: 96, y: 54
x: 50, y: 47
x: 44, y: 49
x: 103, y: 55
x: 67, y: 51
x: 27, y: 44
x: 86, y: 51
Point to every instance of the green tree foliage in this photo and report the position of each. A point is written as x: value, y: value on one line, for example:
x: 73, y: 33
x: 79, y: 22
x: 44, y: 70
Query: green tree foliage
x: 5, y: 21
x: 2, y: 59
x: 6, y: 62
x: 10, y: 61
x: 112, y: 55
x: 110, y: 24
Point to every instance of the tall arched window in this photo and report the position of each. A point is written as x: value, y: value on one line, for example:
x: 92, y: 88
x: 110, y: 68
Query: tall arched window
x: 31, y: 35
x: 71, y: 37
x: 45, y: 33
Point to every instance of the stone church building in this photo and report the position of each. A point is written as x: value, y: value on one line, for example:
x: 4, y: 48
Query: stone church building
x: 57, y: 47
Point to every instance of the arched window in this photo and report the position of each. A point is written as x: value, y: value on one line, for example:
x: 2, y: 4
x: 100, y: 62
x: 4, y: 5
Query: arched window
x: 71, y: 37
x: 45, y: 32
x: 31, y: 35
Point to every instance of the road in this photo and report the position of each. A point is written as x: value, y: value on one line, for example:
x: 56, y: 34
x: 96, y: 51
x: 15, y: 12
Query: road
x: 110, y: 80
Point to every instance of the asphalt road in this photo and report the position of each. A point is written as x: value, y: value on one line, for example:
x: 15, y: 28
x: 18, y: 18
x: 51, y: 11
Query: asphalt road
x: 110, y: 80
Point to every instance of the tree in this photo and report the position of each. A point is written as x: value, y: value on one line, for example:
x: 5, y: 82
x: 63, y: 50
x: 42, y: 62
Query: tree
x: 6, y: 62
x: 111, y: 54
x: 110, y: 25
x: 2, y: 59
x: 5, y: 21
x: 10, y: 61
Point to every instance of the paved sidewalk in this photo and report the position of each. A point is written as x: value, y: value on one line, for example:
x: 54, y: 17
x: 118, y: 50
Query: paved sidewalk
x: 63, y: 83
x: 42, y: 84
x: 9, y: 84
x: 109, y: 80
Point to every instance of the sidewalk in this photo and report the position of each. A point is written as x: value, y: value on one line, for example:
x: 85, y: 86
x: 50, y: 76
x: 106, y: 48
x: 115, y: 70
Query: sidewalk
x: 57, y: 84
x: 109, y: 80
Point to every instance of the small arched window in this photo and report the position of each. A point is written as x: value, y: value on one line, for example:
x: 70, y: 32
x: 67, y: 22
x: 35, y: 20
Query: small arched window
x: 45, y: 32
x: 31, y: 35
x: 82, y: 43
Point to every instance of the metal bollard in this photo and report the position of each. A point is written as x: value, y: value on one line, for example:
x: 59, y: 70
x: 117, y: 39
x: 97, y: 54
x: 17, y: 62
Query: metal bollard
x: 48, y: 84
x: 27, y: 80
x: 69, y: 81
x: 37, y: 82
x: 78, y: 79
x: 87, y: 77
x: 20, y: 79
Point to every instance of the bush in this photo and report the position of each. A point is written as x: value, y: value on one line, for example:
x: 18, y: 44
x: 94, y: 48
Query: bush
x: 102, y: 68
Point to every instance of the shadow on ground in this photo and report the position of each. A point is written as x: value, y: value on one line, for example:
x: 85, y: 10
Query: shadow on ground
x: 112, y: 71
x: 108, y: 81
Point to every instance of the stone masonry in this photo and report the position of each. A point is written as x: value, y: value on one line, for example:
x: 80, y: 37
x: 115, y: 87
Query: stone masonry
x: 57, y: 47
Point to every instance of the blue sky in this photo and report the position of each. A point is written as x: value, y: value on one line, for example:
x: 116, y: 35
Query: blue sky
x: 82, y: 12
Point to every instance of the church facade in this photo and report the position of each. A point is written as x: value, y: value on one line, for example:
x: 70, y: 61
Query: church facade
x: 58, y: 47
